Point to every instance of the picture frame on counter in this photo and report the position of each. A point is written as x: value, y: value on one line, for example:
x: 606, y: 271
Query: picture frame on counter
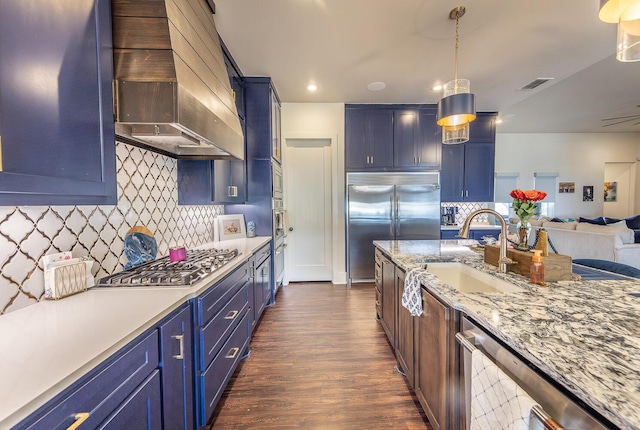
x: 226, y: 227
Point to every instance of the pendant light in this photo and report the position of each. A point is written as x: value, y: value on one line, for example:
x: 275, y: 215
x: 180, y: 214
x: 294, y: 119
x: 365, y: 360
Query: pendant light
x: 625, y: 13
x: 457, y: 108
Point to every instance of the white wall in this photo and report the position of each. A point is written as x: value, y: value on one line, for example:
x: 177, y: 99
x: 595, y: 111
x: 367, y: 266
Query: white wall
x: 322, y: 120
x: 577, y: 157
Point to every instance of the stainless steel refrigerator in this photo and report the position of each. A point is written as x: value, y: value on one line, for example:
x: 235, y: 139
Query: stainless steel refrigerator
x: 388, y: 206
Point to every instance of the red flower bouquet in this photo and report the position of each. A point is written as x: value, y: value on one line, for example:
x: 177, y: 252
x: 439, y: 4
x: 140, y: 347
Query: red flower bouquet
x: 524, y: 204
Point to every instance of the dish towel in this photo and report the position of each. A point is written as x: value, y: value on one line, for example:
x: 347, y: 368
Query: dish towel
x: 412, y: 296
x: 497, y: 402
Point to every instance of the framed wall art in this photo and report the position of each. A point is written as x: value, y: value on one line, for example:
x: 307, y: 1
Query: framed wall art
x: 610, y: 191
x: 227, y: 227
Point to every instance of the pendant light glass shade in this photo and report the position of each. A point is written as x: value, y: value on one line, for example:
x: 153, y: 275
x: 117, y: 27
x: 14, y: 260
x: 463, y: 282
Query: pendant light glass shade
x: 626, y: 13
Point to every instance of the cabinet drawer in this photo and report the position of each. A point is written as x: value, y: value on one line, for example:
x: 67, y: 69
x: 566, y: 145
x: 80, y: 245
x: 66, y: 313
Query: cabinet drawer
x: 103, y: 390
x: 378, y: 302
x: 214, y: 379
x: 262, y: 254
x: 211, y: 302
x: 213, y: 335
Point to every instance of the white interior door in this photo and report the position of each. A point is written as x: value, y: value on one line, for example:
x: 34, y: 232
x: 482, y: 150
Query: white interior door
x: 308, y: 204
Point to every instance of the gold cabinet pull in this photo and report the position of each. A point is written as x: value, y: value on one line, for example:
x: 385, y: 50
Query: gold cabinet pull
x: 180, y: 339
x: 232, y: 353
x: 231, y: 315
x: 79, y: 419
x: 232, y: 191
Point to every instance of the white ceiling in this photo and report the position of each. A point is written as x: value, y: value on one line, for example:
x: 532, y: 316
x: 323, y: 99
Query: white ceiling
x: 343, y: 45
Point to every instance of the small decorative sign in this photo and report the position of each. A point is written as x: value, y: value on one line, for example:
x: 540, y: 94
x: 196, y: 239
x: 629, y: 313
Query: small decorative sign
x: 567, y: 187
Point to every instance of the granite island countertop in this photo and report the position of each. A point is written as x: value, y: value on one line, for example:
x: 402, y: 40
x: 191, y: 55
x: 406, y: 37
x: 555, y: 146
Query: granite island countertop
x: 583, y: 334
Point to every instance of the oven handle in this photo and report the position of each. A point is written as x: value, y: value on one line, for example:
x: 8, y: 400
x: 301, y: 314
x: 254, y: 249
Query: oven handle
x: 468, y: 340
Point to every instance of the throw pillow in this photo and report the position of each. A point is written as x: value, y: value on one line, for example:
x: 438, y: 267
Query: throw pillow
x: 556, y: 219
x: 608, y: 220
x: 633, y: 222
x: 597, y: 221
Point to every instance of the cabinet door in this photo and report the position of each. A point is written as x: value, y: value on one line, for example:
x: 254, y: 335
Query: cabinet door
x: 449, y: 234
x: 483, y: 129
x: 479, y: 164
x: 229, y: 182
x: 429, y: 143
x: 369, y: 138
x: 276, y: 134
x: 263, y: 276
x: 404, y: 351
x: 177, y: 370
x: 142, y: 410
x: 57, y: 138
x: 406, y: 136
x: 452, y: 173
x: 432, y: 362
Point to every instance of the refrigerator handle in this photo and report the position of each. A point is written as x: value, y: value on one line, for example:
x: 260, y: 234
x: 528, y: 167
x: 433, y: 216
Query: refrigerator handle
x: 397, y: 227
x: 393, y: 215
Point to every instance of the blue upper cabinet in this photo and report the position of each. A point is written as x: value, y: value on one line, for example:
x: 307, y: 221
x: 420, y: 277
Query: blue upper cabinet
x: 416, y: 139
x: 369, y: 138
x: 56, y: 108
x: 467, y: 173
x: 391, y: 138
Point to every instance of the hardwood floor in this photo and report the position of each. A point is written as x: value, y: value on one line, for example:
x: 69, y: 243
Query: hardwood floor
x: 319, y: 360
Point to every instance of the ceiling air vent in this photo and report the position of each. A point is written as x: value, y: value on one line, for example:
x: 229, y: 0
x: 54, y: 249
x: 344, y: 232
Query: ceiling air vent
x: 536, y: 83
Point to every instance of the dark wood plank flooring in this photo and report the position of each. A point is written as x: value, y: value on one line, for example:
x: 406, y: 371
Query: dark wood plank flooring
x: 319, y: 360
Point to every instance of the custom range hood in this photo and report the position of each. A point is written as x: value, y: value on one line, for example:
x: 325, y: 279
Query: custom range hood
x: 172, y: 90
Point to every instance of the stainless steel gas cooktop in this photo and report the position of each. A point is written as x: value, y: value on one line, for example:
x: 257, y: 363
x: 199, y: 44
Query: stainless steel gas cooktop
x: 164, y: 272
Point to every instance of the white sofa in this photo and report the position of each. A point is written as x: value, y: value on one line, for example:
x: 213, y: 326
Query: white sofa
x: 613, y: 242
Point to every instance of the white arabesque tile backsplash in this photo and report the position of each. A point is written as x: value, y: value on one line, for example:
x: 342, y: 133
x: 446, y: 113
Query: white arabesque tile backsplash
x: 147, y: 195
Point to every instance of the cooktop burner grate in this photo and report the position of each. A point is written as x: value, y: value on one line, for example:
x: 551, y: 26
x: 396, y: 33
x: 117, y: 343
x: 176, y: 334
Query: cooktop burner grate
x: 164, y: 272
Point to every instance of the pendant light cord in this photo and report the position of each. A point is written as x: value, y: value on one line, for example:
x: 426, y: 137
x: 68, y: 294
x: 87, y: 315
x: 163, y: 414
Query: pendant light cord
x: 455, y: 70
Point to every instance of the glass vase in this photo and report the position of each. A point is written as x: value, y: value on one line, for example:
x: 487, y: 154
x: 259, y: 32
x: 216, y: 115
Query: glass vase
x: 523, y: 235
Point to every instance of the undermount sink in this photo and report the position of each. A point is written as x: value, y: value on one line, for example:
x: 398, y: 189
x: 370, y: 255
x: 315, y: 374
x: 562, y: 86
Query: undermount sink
x: 466, y: 279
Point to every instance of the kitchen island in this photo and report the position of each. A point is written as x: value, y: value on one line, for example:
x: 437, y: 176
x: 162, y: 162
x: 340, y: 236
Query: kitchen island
x: 582, y: 334
x: 52, y: 344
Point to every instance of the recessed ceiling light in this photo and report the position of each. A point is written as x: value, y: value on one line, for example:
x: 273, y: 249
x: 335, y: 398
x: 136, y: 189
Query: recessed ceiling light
x: 312, y: 87
x: 376, y: 86
x: 436, y: 88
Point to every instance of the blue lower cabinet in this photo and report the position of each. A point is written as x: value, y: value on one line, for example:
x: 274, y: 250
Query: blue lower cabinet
x: 215, y: 378
x: 176, y: 354
x: 142, y: 410
x: 222, y: 330
x: 100, y: 396
x: 449, y: 234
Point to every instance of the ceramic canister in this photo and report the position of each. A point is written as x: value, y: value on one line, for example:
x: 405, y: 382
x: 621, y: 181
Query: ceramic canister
x: 177, y: 253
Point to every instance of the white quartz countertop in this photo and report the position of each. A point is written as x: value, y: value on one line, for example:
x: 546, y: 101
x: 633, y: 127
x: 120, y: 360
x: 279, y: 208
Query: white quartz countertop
x: 49, y: 345
x: 583, y: 334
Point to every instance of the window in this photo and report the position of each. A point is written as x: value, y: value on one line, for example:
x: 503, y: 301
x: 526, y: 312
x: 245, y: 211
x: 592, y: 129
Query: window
x: 547, y: 182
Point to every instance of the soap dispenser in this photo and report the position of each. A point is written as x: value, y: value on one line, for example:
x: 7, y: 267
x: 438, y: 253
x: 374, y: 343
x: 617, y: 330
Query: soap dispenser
x: 536, y: 271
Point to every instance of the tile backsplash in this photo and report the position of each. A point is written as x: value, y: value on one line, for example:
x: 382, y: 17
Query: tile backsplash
x: 464, y: 209
x: 147, y: 195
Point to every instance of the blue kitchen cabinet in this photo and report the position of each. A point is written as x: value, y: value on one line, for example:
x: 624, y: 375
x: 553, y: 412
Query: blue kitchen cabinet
x: 176, y: 356
x: 128, y: 383
x: 416, y: 139
x: 57, y: 138
x: 449, y: 234
x: 368, y: 138
x: 467, y: 173
x: 260, y: 290
x: 222, y: 331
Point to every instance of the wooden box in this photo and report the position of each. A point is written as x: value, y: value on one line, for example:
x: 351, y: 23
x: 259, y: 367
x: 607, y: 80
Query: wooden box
x: 557, y: 267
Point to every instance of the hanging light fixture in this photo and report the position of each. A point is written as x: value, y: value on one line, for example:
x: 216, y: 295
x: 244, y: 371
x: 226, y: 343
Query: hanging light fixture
x: 457, y: 108
x: 625, y: 13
